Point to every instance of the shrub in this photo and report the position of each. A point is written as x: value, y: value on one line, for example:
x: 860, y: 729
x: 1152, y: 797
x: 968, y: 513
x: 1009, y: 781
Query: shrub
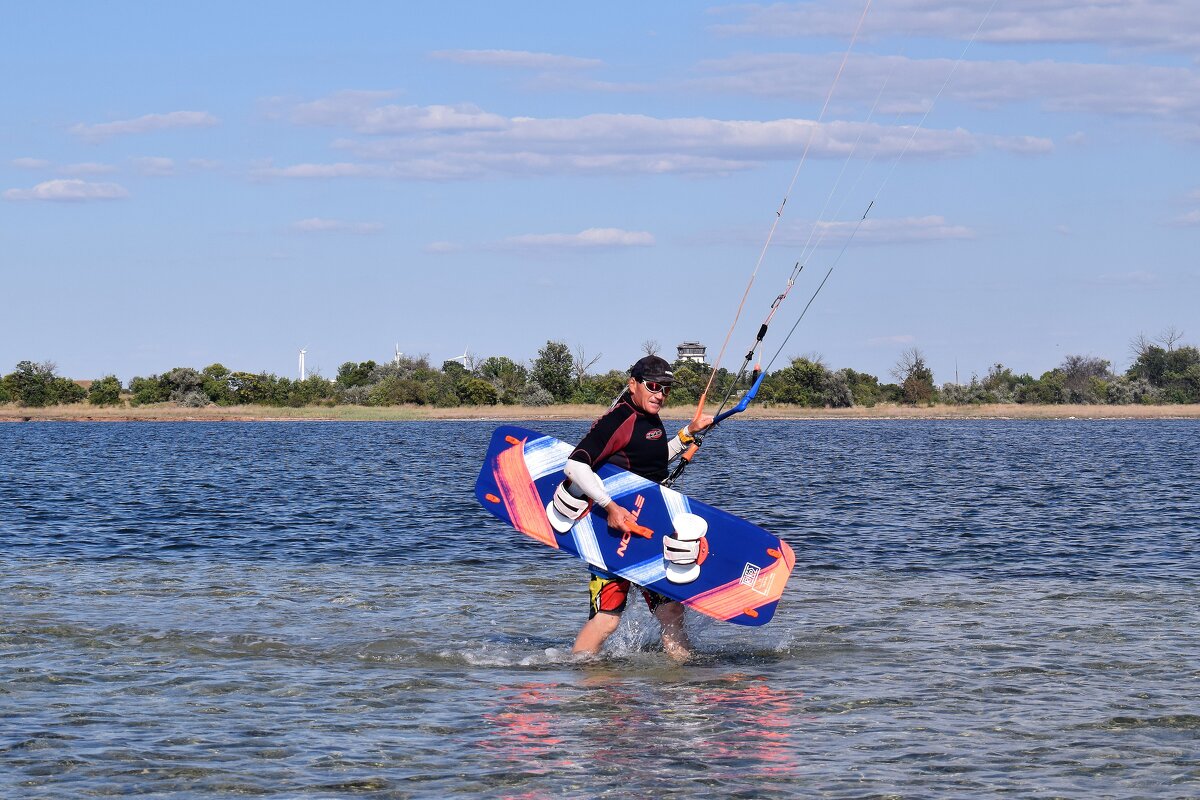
x: 105, y: 392
x: 394, y: 390
x: 973, y: 393
x: 148, y: 390
x: 65, y: 390
x: 194, y: 399
x: 476, y: 392
x: 535, y: 395
x: 1125, y: 391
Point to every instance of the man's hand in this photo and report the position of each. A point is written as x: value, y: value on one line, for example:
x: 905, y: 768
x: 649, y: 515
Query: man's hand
x: 699, y: 423
x: 624, y: 521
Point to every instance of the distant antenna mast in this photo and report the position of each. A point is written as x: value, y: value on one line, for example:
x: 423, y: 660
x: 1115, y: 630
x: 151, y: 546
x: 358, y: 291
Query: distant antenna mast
x: 302, y: 373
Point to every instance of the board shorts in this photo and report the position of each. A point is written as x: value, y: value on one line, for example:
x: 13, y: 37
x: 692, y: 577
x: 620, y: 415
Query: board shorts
x: 610, y: 593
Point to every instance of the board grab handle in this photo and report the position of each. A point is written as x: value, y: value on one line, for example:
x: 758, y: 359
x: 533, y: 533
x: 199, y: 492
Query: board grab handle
x: 642, y: 531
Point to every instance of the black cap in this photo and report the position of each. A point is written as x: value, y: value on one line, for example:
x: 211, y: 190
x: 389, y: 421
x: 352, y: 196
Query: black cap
x: 652, y: 368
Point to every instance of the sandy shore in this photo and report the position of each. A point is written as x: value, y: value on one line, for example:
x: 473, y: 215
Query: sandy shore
x: 81, y: 412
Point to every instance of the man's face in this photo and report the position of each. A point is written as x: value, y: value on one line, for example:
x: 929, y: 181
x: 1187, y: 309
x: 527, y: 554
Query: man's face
x: 646, y: 400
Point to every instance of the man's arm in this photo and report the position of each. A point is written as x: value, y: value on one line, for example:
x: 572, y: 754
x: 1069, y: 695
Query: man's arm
x: 685, y: 436
x: 583, y: 476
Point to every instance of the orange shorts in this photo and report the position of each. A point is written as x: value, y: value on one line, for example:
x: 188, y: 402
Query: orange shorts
x: 610, y: 594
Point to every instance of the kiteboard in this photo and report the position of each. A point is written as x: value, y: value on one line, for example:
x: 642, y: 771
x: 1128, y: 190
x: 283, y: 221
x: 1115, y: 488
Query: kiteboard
x: 739, y: 570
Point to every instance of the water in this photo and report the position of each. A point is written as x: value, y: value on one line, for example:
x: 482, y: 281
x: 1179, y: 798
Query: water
x: 316, y: 610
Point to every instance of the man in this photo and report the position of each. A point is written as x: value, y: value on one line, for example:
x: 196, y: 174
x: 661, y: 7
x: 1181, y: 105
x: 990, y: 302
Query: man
x: 631, y: 436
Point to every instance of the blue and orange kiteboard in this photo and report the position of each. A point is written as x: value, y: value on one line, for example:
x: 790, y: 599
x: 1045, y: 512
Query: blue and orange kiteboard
x: 742, y: 569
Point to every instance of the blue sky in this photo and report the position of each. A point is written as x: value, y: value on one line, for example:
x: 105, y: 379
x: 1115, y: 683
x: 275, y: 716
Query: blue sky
x: 184, y: 183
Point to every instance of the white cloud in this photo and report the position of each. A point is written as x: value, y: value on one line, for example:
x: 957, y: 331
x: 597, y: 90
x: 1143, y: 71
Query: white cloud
x: 69, y: 190
x: 87, y: 168
x: 338, y: 170
x: 145, y: 124
x: 1158, y: 92
x: 438, y: 248
x: 874, y: 231
x: 360, y: 112
x: 588, y: 239
x: 520, y: 59
x: 154, y: 165
x: 1189, y: 220
x: 1150, y: 24
x: 30, y: 163
x: 444, y: 143
x: 319, y: 225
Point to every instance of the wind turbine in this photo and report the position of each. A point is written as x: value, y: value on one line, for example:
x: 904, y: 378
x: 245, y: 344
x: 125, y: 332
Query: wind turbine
x: 396, y: 358
x: 465, y: 357
x: 302, y: 352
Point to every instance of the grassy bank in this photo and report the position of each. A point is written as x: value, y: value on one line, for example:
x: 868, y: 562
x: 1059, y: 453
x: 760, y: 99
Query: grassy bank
x: 166, y: 412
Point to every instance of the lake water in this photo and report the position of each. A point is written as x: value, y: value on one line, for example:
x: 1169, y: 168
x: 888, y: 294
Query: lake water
x: 321, y: 610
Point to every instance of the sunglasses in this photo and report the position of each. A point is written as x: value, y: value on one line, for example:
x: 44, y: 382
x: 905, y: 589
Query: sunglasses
x: 655, y: 386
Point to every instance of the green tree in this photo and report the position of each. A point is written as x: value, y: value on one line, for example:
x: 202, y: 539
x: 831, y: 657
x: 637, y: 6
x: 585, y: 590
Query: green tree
x: 395, y: 390
x: 1173, y: 371
x: 837, y: 392
x: 803, y: 382
x: 454, y: 370
x: 105, y: 392
x: 249, y: 388
x: 607, y: 387
x: 915, y: 377
x: 1150, y: 365
x: 310, y: 391
x: 1188, y: 384
x: 1003, y: 385
x: 1048, y: 389
x: 864, y: 387
x: 148, y: 390
x: 553, y: 370
x: 441, y: 391
x: 65, y: 390
x: 185, y: 386
x: 216, y: 385
x: 690, y: 380
x: 476, y: 392
x: 1084, y: 379
x: 353, y: 374
x: 32, y: 384
x: 507, y: 377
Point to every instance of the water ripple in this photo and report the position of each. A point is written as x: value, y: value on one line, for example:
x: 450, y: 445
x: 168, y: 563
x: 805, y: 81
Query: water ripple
x: 316, y: 610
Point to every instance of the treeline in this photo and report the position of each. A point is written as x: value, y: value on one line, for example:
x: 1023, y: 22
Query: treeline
x: 1162, y: 372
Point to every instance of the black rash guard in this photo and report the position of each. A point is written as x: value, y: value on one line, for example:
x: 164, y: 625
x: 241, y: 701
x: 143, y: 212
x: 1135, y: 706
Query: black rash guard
x: 628, y: 437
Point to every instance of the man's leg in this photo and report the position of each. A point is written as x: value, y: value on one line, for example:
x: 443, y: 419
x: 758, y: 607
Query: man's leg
x: 608, y: 596
x: 595, y: 632
x: 674, y: 638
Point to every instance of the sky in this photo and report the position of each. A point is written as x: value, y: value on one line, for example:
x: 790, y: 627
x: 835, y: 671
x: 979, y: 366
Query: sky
x: 187, y: 183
